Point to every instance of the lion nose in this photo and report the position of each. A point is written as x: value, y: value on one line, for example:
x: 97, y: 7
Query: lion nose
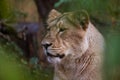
x: 46, y: 45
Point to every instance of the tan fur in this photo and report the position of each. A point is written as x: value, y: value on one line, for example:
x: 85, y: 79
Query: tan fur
x: 81, y: 44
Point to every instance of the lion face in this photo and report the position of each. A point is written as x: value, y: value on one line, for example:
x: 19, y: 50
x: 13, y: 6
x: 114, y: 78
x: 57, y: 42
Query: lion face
x: 64, y: 37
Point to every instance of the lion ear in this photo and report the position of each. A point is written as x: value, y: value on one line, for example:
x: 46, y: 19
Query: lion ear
x: 52, y: 15
x: 82, y: 18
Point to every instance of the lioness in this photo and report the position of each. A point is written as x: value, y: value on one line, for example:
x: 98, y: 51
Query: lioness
x: 74, y: 46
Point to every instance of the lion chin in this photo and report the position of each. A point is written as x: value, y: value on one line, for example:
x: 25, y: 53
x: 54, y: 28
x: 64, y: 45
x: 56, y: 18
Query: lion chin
x: 54, y: 60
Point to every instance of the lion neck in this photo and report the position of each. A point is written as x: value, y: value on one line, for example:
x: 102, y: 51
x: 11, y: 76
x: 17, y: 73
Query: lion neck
x: 72, y: 68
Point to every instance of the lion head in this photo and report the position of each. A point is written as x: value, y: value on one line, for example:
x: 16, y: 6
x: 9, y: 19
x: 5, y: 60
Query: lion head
x: 66, y: 35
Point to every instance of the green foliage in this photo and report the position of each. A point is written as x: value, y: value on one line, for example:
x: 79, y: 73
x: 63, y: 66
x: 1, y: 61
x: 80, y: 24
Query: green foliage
x: 111, y: 57
x: 4, y: 9
x: 14, y: 67
x: 9, y: 70
x: 114, y: 8
x: 61, y: 2
x: 106, y: 11
x: 9, y: 13
x: 89, y: 5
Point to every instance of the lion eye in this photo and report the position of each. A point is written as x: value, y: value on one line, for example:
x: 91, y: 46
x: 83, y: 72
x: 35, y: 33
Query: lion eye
x: 48, y: 29
x: 62, y: 29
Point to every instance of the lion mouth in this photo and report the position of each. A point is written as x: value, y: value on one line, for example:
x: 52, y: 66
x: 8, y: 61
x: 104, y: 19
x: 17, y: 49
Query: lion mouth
x: 57, y: 55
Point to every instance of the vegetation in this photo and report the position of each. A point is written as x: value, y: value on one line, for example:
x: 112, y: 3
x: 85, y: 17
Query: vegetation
x: 98, y: 7
x: 14, y: 67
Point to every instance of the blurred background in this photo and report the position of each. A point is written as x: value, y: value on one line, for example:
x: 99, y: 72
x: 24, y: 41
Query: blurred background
x: 23, y: 25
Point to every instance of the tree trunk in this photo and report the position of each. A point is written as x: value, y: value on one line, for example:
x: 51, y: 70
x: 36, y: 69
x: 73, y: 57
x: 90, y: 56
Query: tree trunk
x: 44, y: 7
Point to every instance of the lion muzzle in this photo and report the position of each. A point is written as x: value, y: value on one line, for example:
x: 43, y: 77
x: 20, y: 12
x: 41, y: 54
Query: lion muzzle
x: 57, y: 55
